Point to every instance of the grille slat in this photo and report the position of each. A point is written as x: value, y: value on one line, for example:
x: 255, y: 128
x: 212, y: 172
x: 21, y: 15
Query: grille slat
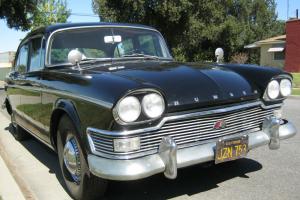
x: 207, y: 134
x: 205, y: 119
x: 202, y: 127
x: 190, y: 131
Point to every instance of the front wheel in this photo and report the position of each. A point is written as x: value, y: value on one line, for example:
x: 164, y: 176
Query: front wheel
x: 80, y: 183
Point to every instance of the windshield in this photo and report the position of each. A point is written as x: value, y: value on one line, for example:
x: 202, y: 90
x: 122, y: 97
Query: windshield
x: 107, y: 42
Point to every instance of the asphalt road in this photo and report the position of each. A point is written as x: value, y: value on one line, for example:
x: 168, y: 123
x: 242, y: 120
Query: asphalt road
x: 264, y: 174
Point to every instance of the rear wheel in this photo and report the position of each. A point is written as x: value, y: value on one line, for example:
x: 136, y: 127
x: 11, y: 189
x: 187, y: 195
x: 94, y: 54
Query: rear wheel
x: 18, y: 132
x: 80, y: 182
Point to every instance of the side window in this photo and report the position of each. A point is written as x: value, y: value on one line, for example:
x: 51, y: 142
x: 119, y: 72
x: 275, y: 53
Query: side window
x: 21, y: 62
x: 35, y: 55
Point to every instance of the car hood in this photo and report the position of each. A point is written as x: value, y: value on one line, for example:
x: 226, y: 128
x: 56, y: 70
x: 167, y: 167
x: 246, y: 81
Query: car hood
x: 186, y: 85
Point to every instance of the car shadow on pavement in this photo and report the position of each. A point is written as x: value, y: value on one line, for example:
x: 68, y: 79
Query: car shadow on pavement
x: 190, y: 180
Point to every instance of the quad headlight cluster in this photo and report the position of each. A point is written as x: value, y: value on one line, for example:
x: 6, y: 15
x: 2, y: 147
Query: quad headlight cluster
x: 147, y: 106
x: 278, y: 89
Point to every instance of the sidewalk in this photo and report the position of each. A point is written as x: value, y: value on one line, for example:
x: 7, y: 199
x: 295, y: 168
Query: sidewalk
x: 9, y: 190
x: 35, y: 168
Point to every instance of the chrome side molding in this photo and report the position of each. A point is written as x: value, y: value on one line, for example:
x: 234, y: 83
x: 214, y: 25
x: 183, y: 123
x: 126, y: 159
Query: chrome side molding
x: 168, y: 154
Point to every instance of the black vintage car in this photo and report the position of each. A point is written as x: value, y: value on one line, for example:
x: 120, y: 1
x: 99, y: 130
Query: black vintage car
x: 114, y: 105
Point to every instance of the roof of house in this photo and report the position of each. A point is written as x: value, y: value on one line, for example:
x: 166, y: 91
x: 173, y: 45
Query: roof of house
x: 273, y: 40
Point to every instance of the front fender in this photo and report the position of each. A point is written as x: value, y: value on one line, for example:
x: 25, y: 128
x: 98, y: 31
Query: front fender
x: 61, y: 107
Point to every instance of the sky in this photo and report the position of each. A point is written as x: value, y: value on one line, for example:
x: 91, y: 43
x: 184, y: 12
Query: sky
x: 10, y: 38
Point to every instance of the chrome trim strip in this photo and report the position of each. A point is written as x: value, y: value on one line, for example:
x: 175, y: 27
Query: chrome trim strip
x: 178, y: 117
x: 39, y: 139
x: 68, y: 94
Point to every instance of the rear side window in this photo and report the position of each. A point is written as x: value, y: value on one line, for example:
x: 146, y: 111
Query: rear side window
x: 22, y: 60
x: 35, y: 63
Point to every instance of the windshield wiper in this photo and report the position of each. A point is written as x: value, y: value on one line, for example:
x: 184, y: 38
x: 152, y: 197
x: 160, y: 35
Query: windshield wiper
x: 94, y: 60
x: 137, y: 55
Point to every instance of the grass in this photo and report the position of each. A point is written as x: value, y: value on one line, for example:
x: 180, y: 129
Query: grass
x: 296, y: 91
x: 296, y: 84
x: 296, y: 80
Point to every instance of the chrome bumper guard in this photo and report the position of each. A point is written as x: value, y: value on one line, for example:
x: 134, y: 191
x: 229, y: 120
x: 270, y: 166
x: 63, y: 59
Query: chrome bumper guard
x: 169, y: 159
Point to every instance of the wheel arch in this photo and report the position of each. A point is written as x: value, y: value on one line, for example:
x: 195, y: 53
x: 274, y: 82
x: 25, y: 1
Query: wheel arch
x: 63, y: 107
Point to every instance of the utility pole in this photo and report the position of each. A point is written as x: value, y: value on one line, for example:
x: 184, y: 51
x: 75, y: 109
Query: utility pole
x: 287, y: 10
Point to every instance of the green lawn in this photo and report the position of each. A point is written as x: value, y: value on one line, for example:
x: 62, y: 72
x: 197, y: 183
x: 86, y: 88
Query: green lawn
x: 296, y: 84
x: 296, y: 91
x: 296, y: 80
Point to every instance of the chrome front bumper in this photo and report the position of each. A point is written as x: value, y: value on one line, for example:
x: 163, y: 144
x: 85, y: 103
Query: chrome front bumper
x: 169, y: 158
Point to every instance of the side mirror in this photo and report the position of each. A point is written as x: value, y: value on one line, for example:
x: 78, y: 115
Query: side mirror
x: 219, y: 53
x: 74, y: 56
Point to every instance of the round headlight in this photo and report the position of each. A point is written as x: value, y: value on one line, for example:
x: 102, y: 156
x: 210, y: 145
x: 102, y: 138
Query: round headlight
x: 129, y: 109
x: 285, y: 87
x: 273, y: 89
x: 153, y: 105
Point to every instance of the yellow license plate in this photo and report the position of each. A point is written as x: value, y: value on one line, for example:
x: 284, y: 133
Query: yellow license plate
x: 231, y: 149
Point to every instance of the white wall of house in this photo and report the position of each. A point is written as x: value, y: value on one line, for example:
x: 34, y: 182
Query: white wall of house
x: 269, y: 58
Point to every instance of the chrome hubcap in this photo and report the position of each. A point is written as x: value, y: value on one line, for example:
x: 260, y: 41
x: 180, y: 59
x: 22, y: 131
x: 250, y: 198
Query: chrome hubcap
x: 72, y: 158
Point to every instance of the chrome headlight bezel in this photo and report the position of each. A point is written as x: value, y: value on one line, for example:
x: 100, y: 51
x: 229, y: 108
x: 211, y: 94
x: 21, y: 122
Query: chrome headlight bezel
x: 277, y: 83
x: 153, y: 98
x: 119, y: 116
x: 139, y: 94
x: 273, y: 89
x: 286, y: 87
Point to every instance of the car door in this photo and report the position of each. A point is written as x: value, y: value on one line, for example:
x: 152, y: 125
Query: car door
x: 14, y: 80
x: 31, y: 107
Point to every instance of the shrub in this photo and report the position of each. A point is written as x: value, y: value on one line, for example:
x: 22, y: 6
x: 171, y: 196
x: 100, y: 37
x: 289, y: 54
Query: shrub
x: 239, y: 58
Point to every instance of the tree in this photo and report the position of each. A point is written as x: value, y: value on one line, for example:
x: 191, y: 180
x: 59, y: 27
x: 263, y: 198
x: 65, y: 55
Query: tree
x: 30, y: 14
x: 16, y: 13
x: 194, y: 29
x: 50, y: 12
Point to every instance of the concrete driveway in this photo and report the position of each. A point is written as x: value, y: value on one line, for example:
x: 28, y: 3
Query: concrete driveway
x: 264, y: 174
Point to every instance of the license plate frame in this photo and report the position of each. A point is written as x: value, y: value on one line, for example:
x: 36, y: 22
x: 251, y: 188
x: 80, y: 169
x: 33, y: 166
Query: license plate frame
x: 231, y: 149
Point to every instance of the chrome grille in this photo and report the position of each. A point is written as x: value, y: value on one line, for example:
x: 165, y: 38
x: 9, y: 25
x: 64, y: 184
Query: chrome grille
x: 188, y: 131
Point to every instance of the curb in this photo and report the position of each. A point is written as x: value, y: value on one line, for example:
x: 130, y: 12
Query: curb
x: 9, y: 188
x: 19, y: 188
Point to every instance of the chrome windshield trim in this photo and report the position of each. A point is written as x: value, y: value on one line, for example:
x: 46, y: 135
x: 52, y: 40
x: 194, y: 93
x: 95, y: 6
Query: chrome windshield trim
x: 96, y: 26
x: 177, y: 117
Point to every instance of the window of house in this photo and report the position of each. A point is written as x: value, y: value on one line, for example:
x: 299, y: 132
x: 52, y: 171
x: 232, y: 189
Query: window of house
x: 279, y: 55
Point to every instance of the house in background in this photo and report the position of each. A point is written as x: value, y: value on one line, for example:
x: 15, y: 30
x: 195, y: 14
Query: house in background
x: 292, y: 55
x: 272, y: 51
x: 6, y: 62
x: 282, y: 51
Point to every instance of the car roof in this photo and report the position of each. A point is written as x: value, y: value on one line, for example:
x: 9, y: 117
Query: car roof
x: 54, y: 27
